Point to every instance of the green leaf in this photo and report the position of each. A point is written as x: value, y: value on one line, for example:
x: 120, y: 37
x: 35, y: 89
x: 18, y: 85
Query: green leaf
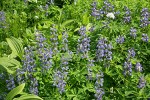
x: 28, y: 97
x: 129, y: 92
x: 66, y: 23
x: 85, y: 19
x: 33, y: 1
x: 15, y: 92
x: 16, y: 46
x: 119, y: 67
x: 9, y: 64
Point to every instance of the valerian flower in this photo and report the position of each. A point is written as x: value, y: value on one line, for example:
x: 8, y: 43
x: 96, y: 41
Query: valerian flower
x: 111, y: 15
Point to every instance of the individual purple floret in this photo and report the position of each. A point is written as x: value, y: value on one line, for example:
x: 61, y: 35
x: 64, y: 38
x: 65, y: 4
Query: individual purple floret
x: 127, y: 68
x: 120, y: 39
x: 127, y: 15
x: 133, y: 32
x: 98, y: 86
x: 142, y: 82
x: 145, y: 37
x: 144, y: 17
x: 10, y: 83
x: 138, y: 67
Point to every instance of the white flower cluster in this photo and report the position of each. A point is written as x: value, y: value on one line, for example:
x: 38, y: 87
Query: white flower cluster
x: 110, y: 15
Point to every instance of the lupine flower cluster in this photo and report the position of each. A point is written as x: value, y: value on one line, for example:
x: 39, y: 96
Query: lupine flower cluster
x: 145, y: 38
x: 99, y: 86
x: 29, y: 66
x: 127, y: 64
x: 50, y: 2
x: 103, y: 50
x: 33, y: 86
x: 83, y: 43
x: 142, y: 82
x: 10, y: 83
x: 2, y: 19
x: 59, y: 81
x: 131, y: 53
x: 89, y: 68
x: 3, y: 95
x: 65, y: 42
x: 20, y: 77
x: 120, y: 39
x: 127, y: 15
x: 138, y: 67
x: 54, y: 39
x: 45, y: 53
x: 25, y: 1
x: 46, y: 8
x: 144, y: 18
x: 127, y: 68
x: 29, y: 61
x: 133, y: 32
x: 2, y: 75
x: 60, y: 76
x: 108, y: 7
x: 95, y: 12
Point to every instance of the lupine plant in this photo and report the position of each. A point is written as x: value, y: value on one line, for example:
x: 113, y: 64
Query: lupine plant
x: 74, y: 50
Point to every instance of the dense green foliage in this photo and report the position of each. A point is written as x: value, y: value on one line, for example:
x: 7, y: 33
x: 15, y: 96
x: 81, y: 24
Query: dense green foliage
x: 75, y: 49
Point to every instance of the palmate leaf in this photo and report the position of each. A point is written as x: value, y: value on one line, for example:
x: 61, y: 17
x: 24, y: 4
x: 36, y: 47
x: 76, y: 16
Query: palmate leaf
x: 16, y: 46
x: 15, y: 92
x: 9, y: 64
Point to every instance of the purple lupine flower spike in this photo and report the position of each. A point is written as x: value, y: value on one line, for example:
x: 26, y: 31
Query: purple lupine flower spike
x: 142, y: 82
x: 83, y: 43
x: 10, y: 83
x: 99, y: 86
x: 133, y: 32
x: 103, y: 50
x: 120, y: 39
x: 144, y: 18
x: 127, y: 68
x: 127, y: 16
x: 145, y: 37
x: 138, y: 67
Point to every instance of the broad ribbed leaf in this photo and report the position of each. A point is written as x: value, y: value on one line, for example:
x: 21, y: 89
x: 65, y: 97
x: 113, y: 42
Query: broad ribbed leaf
x: 28, y: 97
x: 9, y: 64
x: 15, y: 92
x: 16, y: 46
